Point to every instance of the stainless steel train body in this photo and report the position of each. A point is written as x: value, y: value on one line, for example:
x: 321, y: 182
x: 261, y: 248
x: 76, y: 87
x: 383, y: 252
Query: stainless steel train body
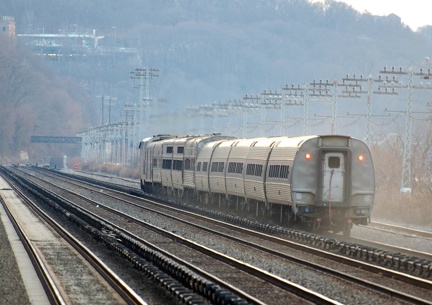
x: 167, y: 163
x: 323, y: 181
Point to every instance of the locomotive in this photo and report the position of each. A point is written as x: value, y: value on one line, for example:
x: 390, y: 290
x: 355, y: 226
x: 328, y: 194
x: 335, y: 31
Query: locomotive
x: 325, y: 182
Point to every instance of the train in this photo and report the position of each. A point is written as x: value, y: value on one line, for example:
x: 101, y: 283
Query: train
x: 320, y: 182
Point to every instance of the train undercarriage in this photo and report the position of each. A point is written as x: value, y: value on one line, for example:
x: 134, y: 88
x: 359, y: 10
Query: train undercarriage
x: 310, y: 218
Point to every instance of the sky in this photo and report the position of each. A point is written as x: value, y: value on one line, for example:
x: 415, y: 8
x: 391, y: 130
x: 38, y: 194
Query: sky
x: 414, y: 13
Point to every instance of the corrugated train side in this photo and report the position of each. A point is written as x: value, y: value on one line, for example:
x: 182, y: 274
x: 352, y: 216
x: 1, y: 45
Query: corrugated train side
x: 325, y: 182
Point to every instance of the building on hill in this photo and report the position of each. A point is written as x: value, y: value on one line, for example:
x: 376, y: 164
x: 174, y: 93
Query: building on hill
x: 72, y: 46
x: 7, y: 25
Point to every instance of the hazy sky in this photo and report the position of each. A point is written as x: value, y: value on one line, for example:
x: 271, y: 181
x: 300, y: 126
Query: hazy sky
x: 414, y: 13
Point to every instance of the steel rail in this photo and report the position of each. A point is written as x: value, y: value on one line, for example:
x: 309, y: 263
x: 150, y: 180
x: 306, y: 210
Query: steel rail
x: 113, y: 279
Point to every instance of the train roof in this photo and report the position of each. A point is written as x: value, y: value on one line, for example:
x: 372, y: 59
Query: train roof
x: 156, y: 138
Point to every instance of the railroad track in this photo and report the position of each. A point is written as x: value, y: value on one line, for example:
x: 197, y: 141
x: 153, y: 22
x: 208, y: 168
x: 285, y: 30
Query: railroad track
x: 279, y: 247
x: 421, y: 248
x: 400, y: 229
x: 423, y: 255
x: 265, y: 288
x: 353, y: 249
x: 57, y: 275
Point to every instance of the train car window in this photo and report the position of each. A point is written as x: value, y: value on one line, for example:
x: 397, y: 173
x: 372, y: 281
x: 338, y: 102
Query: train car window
x: 155, y: 163
x: 239, y: 168
x: 220, y: 167
x: 180, y: 149
x: 178, y: 165
x: 235, y: 167
x: 274, y: 171
x: 250, y: 169
x: 258, y: 170
x: 169, y: 149
x: 205, y: 165
x: 187, y: 163
x: 284, y: 172
x: 214, y: 167
x: 166, y: 163
x: 198, y: 166
x: 334, y: 162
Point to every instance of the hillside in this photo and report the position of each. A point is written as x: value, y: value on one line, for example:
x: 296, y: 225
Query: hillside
x: 224, y: 49
x: 219, y: 50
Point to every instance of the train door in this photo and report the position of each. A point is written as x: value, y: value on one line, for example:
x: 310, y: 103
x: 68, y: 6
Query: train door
x: 333, y: 179
x: 150, y: 165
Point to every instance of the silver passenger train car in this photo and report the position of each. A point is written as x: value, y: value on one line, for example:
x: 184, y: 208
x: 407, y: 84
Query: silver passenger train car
x: 326, y: 182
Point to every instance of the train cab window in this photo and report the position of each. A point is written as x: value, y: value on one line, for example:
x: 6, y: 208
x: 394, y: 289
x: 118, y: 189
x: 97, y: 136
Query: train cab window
x: 198, y: 168
x: 155, y: 163
x: 169, y: 149
x: 180, y: 149
x: 205, y: 165
x: 333, y: 162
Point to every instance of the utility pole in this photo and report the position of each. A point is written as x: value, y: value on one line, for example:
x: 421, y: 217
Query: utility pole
x: 324, y: 90
x: 406, y: 186
x: 106, y: 99
x: 142, y: 107
x: 271, y: 100
x: 241, y: 106
x: 253, y: 104
x: 115, y: 43
x: 353, y: 88
x: 295, y: 96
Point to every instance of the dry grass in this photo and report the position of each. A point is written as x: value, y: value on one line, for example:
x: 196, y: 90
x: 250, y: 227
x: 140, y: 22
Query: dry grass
x: 111, y: 169
x: 390, y: 203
